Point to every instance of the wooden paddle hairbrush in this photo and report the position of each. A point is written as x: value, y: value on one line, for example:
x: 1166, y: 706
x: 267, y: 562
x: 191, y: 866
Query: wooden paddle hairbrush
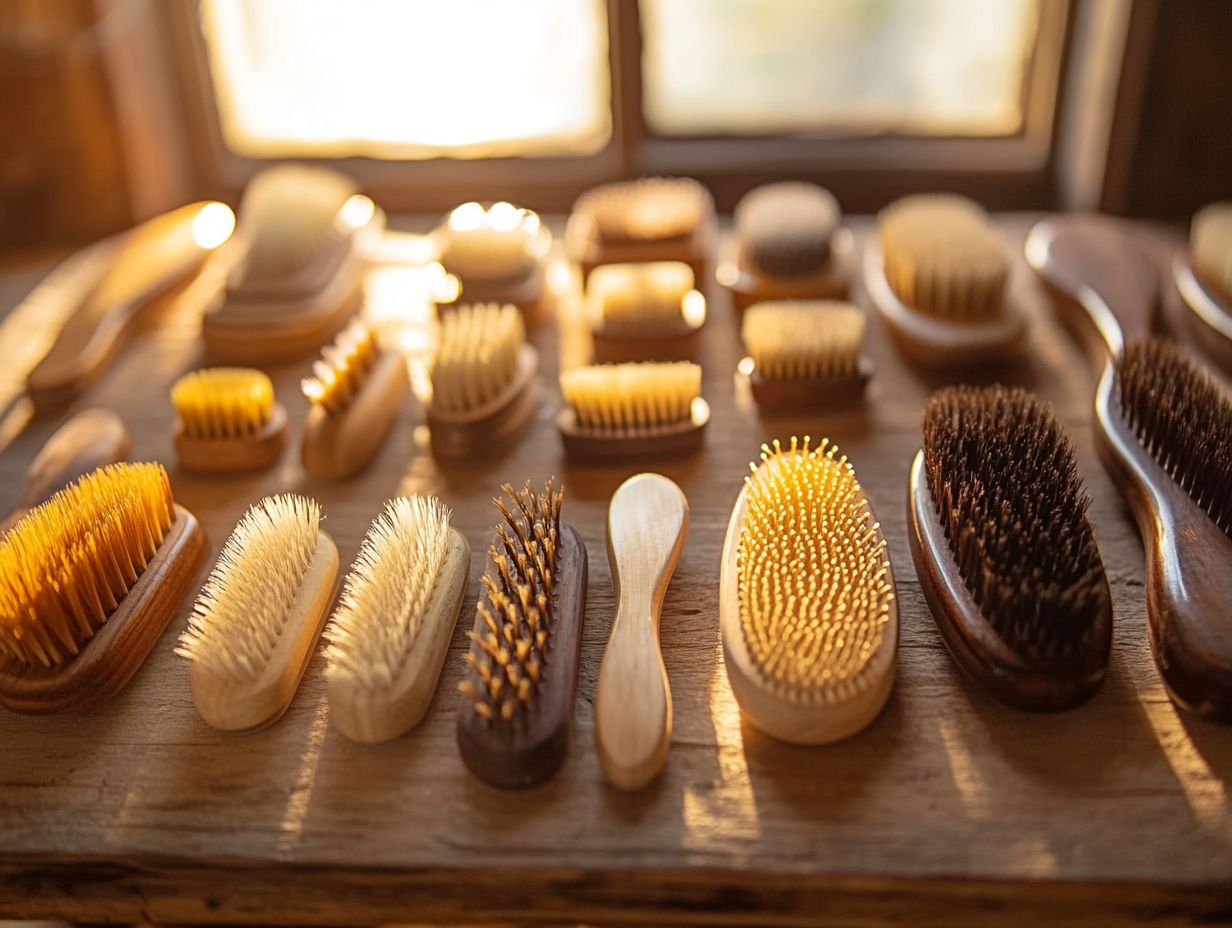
x: 645, y: 312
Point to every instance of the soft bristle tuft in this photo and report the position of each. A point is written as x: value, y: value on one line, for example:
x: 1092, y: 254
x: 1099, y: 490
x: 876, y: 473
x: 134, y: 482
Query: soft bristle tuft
x: 65, y: 567
x: 489, y: 244
x: 785, y: 229
x: 507, y: 662
x: 649, y: 209
x: 1005, y: 486
x: 791, y: 340
x: 1210, y: 244
x: 1183, y: 418
x: 244, y: 604
x: 477, y: 356
x: 814, y: 580
x: 631, y: 397
x: 642, y: 300
x: 344, y: 365
x: 223, y: 402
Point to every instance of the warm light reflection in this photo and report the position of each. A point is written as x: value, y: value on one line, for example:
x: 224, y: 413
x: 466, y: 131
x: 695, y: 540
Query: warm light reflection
x: 727, y: 274
x: 1203, y: 789
x: 746, y: 366
x: 356, y: 212
x: 964, y: 770
x: 693, y: 308
x: 213, y: 225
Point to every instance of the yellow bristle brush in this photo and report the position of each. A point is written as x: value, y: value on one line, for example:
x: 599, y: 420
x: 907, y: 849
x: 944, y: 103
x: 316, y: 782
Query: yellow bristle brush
x: 1203, y: 277
x: 807, y: 609
x: 227, y: 419
x: 257, y: 619
x: 391, y: 631
x: 356, y: 390
x: 88, y: 581
x: 620, y: 412
x: 645, y: 312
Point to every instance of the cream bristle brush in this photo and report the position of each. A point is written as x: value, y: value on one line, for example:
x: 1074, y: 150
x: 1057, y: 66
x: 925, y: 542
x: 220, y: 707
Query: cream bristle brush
x: 498, y: 253
x: 645, y: 312
x: 257, y: 619
x: 621, y: 412
x: 391, y: 630
x: 805, y: 354
x: 227, y: 419
x: 807, y: 609
x: 1203, y: 277
x: 88, y: 582
x: 356, y: 390
x: 484, y: 391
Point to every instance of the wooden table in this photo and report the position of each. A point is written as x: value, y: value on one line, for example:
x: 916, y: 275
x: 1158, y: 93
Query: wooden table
x: 950, y: 809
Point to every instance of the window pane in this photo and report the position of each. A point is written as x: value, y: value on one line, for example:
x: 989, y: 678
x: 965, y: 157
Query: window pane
x: 410, y: 78
x: 932, y: 67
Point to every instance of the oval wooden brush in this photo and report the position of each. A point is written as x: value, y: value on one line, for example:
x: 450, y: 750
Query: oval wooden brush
x: 623, y: 412
x: 645, y: 312
x: 257, y: 619
x: 498, y: 253
x: 647, y: 522
x: 521, y: 679
x: 88, y: 581
x: 356, y: 390
x: 1203, y: 277
x: 391, y: 631
x: 1004, y: 552
x: 938, y: 275
x: 807, y: 609
x: 227, y: 419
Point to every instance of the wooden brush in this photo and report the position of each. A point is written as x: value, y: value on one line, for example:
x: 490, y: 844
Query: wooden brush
x: 622, y: 412
x: 1203, y: 277
x: 498, y: 253
x: 227, y: 419
x: 484, y: 391
x: 647, y: 522
x: 805, y: 354
x: 391, y: 631
x: 356, y: 390
x: 256, y: 621
x: 938, y: 275
x: 645, y: 312
x: 521, y: 679
x: 88, y: 581
x: 1004, y: 551
x: 807, y: 610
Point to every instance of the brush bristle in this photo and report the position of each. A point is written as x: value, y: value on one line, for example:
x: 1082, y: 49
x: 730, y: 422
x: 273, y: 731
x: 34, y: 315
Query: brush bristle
x: 814, y: 581
x: 942, y: 257
x: 649, y: 209
x: 244, y: 605
x: 489, y: 244
x: 67, y: 564
x: 791, y: 340
x: 223, y: 402
x: 1005, y: 486
x: 344, y: 365
x: 477, y: 356
x: 1183, y: 418
x: 631, y: 397
x: 1210, y: 244
x: 785, y: 229
x: 381, y: 610
x: 509, y: 659
x: 639, y: 300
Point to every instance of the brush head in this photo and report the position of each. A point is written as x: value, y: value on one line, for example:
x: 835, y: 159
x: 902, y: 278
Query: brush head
x: 477, y: 356
x: 243, y: 606
x: 67, y: 564
x: 343, y: 368
x: 798, y: 339
x: 815, y: 586
x: 632, y: 397
x: 497, y: 243
x: 943, y: 258
x: 1210, y: 245
x: 785, y: 229
x: 223, y: 402
x: 1004, y: 482
x: 1183, y: 418
x: 508, y: 660
x: 649, y: 209
x: 641, y: 300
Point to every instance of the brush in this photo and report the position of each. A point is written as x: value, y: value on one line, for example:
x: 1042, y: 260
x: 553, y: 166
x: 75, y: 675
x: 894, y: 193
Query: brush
x: 647, y: 522
x: 1161, y: 428
x: 522, y: 665
x: 645, y: 312
x: 1003, y: 549
x: 804, y: 354
x: 807, y: 610
x: 88, y: 581
x: 257, y: 619
x: 391, y: 630
x: 1203, y: 277
x: 484, y: 391
x: 498, y: 253
x: 938, y: 275
x: 622, y: 412
x: 227, y: 419
x: 356, y: 390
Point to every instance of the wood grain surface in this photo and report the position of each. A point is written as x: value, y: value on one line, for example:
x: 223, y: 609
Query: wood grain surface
x: 950, y: 809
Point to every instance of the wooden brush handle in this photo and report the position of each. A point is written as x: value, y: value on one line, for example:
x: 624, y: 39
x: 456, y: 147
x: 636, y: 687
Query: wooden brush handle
x: 646, y: 527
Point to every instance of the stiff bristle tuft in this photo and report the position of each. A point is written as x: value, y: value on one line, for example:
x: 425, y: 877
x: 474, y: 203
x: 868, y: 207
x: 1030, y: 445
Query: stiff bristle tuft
x: 477, y: 356
x: 631, y: 397
x: 344, y: 365
x: 1210, y: 244
x: 641, y: 300
x: 791, y: 340
x: 509, y: 659
x: 242, y: 609
x: 1183, y: 418
x: 67, y: 564
x: 223, y: 402
x: 785, y: 229
x: 814, y: 581
x: 650, y: 209
x: 1005, y: 486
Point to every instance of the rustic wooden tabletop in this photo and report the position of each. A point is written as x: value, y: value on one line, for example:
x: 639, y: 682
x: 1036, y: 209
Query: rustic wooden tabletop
x: 950, y: 809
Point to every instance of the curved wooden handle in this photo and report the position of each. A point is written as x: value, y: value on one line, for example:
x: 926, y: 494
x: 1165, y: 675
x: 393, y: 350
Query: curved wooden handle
x: 647, y: 523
